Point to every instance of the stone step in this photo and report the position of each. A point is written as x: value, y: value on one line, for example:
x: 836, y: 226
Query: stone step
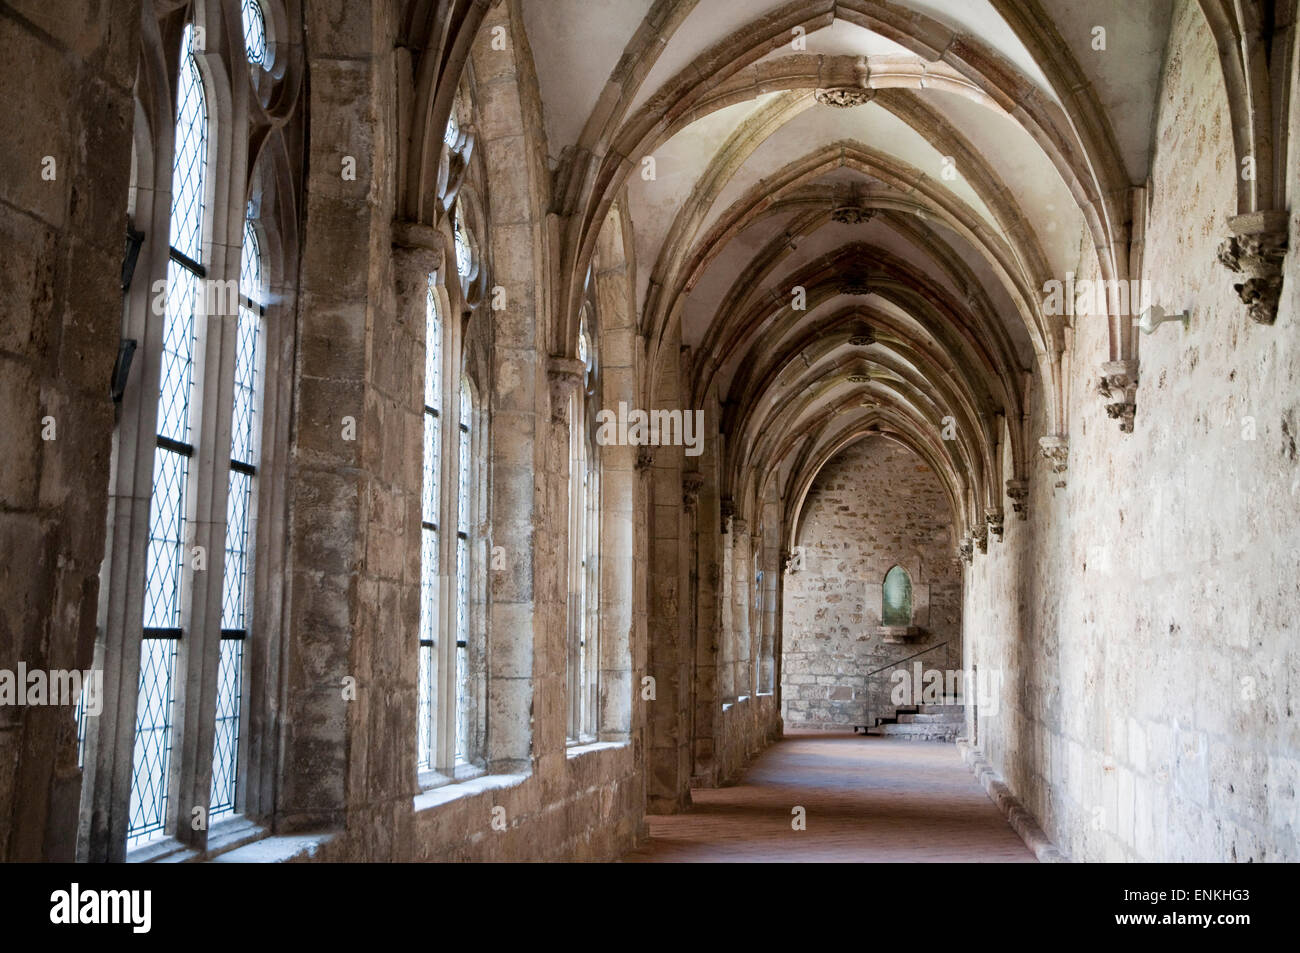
x: 943, y: 709
x: 923, y: 732
x: 933, y: 718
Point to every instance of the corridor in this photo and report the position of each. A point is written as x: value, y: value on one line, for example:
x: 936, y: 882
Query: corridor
x: 867, y: 800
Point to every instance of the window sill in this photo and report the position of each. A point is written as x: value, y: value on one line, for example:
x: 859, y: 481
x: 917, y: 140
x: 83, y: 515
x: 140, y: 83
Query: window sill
x: 275, y: 850
x: 228, y: 835
x: 165, y: 850
x: 450, y: 791
x: 591, y: 747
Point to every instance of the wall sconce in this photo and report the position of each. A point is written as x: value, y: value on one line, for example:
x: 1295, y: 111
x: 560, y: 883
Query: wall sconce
x: 1155, y: 316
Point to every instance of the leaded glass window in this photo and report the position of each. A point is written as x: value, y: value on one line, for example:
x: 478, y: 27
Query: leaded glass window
x: 427, y: 695
x: 254, y: 32
x: 165, y: 555
x: 463, y: 490
x: 244, y: 432
x: 584, y: 540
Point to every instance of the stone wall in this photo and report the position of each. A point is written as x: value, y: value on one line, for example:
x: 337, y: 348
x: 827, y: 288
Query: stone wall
x: 65, y: 145
x: 874, y: 506
x: 1143, y: 618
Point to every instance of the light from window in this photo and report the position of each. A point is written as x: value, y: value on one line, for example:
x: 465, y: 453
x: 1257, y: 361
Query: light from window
x: 453, y: 127
x: 897, y: 598
x: 464, y: 251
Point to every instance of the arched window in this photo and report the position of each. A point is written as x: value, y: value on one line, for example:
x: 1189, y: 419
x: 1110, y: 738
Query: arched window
x: 429, y: 506
x: 168, y: 512
x: 181, y: 587
x: 235, y: 602
x: 584, y: 563
x: 464, y: 485
x: 896, y: 598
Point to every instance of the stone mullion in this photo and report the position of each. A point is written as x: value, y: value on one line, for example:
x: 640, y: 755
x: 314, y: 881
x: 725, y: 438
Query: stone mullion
x: 209, y: 485
x: 742, y: 587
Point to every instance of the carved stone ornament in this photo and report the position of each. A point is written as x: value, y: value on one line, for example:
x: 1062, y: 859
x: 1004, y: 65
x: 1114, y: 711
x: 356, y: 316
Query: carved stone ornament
x: 844, y: 97
x: 692, y: 483
x: 1018, y: 494
x: 1118, y: 386
x: 1056, y: 450
x: 966, y: 550
x: 861, y: 336
x: 853, y: 215
x: 859, y: 379
x: 994, y: 520
x: 645, y: 458
x: 981, y: 537
x: 1256, y: 251
x: 855, y: 284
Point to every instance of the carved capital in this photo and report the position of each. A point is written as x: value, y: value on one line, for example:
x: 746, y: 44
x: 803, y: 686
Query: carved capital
x: 1056, y: 449
x: 1118, y: 387
x: 1255, y: 251
x: 739, y: 529
x: 565, y: 376
x: 1018, y: 494
x: 645, y: 458
x: 692, y: 483
x: 980, y: 534
x: 993, y: 518
x: 966, y: 549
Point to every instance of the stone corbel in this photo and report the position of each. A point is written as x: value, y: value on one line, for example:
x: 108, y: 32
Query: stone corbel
x: 645, y: 458
x: 1018, y: 494
x: 565, y: 376
x: 739, y: 529
x: 728, y: 509
x: 994, y: 519
x: 966, y: 549
x: 1256, y: 250
x: 846, y: 96
x: 1118, y: 386
x: 981, y: 537
x: 1056, y: 449
x: 692, y: 483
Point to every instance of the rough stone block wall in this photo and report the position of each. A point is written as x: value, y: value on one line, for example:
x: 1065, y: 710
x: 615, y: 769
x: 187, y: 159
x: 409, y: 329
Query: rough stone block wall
x: 1151, y: 659
x: 874, y: 506
x: 65, y: 147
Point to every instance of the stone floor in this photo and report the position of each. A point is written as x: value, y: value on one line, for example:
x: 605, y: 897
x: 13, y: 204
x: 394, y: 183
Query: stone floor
x: 867, y: 800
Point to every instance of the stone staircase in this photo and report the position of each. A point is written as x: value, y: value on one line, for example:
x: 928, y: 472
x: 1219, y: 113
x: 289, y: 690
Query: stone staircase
x: 923, y: 723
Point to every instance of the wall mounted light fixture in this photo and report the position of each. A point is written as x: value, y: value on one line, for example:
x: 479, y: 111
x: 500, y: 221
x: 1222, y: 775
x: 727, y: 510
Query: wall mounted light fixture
x: 1155, y: 316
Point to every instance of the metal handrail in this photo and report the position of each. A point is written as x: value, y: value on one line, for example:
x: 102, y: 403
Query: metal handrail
x: 908, y: 659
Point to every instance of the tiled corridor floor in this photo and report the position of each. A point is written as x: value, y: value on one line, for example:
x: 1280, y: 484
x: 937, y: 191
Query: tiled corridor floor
x: 867, y: 800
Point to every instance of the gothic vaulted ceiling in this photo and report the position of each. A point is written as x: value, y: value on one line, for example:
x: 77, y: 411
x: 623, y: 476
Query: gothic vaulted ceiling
x: 847, y: 209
